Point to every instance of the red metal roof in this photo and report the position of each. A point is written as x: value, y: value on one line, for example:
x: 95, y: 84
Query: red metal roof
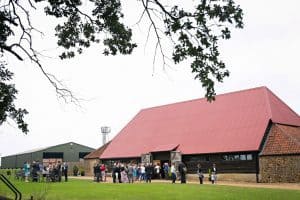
x: 234, y: 122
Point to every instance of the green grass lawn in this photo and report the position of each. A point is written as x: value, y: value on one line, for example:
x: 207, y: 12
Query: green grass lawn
x: 88, y: 190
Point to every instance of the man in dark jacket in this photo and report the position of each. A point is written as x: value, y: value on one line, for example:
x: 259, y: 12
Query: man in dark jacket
x: 34, y: 172
x: 182, y: 171
x: 97, y: 172
x: 148, y: 172
x: 114, y: 171
x: 65, y: 171
x: 59, y: 171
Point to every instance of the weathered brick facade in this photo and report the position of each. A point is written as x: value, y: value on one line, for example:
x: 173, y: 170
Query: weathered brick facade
x: 280, y: 168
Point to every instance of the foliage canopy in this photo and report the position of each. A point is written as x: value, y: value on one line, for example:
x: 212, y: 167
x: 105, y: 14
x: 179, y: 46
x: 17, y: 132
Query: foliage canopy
x: 194, y: 31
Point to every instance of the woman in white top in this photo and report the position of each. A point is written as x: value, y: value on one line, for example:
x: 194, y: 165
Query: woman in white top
x: 142, y: 177
x: 173, y: 173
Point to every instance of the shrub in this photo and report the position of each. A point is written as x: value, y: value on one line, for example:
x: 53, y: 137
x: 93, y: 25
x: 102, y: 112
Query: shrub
x: 75, y: 170
x: 209, y: 174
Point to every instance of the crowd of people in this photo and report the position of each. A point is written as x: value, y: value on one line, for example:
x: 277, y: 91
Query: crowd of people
x: 212, y: 174
x: 120, y: 172
x: 132, y: 172
x: 36, y: 171
x: 100, y: 172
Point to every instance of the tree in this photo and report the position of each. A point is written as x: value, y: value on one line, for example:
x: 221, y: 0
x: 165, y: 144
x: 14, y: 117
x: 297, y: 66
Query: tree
x: 7, y: 97
x: 193, y: 29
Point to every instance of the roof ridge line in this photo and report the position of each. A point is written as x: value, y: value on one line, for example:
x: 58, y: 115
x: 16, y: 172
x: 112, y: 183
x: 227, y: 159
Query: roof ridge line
x: 204, y: 98
x: 269, y: 109
x: 281, y: 101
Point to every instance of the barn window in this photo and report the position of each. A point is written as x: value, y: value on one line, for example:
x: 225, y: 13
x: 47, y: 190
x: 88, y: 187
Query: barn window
x: 207, y: 158
x: 249, y: 157
x: 82, y: 154
x: 232, y: 157
x: 243, y: 157
x: 53, y: 155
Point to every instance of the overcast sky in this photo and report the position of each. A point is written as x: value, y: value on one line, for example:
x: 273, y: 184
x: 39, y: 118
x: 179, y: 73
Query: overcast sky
x: 115, y: 89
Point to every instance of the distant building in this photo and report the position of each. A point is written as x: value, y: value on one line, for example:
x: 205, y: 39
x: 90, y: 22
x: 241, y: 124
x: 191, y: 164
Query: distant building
x: 68, y: 152
x: 251, y: 133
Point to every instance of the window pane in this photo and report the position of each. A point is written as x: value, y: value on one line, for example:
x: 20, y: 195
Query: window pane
x: 225, y: 157
x: 53, y: 155
x: 243, y: 157
x: 236, y: 157
x: 207, y: 158
x: 231, y: 157
x: 249, y: 157
x: 82, y: 154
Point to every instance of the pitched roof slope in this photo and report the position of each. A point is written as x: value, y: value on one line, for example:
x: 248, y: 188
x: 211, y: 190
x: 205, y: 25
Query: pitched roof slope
x: 97, y: 153
x: 234, y: 122
x: 282, y: 139
x: 280, y: 112
x: 49, y: 148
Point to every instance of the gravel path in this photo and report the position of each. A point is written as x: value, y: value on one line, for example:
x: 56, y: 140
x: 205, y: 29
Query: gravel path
x: 290, y: 186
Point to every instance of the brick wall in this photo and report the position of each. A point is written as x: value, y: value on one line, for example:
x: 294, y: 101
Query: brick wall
x: 229, y: 177
x: 89, y: 166
x: 280, y: 168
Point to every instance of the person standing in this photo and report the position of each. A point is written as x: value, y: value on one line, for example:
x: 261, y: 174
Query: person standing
x: 148, y: 172
x: 26, y: 168
x: 130, y: 173
x: 157, y: 171
x: 97, y: 172
x: 142, y: 172
x: 123, y: 171
x: 200, y: 173
x: 173, y: 173
x: 114, y: 172
x: 135, y: 172
x: 34, y: 172
x: 119, y: 172
x: 103, y: 172
x: 214, y: 174
x: 166, y: 170
x: 65, y: 170
x: 182, y: 171
x: 59, y: 171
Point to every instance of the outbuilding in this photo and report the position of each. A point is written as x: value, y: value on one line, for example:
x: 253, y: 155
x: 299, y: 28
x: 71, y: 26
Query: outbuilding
x: 67, y: 152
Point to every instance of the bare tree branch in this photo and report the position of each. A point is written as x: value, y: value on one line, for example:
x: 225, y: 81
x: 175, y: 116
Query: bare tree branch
x: 9, y: 49
x: 156, y: 33
x: 18, y: 11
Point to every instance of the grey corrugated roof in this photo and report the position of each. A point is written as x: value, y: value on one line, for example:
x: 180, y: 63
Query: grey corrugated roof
x: 45, y: 148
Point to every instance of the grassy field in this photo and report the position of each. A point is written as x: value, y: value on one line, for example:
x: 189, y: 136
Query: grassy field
x: 85, y: 189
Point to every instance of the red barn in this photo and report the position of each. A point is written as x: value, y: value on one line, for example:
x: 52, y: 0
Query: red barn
x: 234, y: 132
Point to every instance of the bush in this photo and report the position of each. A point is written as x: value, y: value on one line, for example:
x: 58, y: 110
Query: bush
x: 82, y: 172
x: 75, y: 170
x: 209, y: 174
